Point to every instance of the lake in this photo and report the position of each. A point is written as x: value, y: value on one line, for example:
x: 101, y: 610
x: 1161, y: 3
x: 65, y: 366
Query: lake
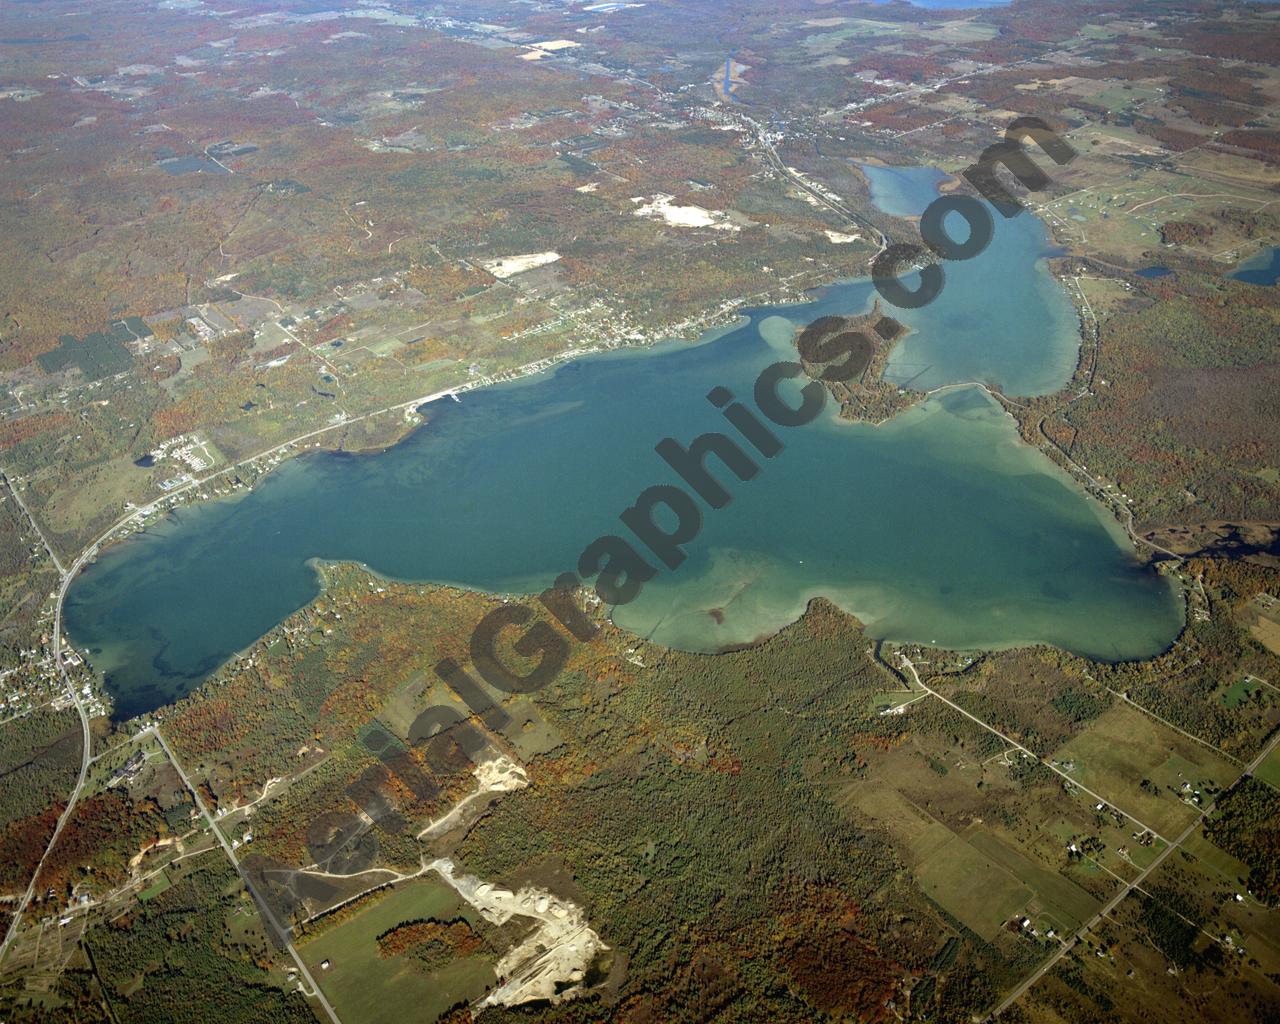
x: 1263, y: 269
x: 942, y: 5
x: 938, y: 526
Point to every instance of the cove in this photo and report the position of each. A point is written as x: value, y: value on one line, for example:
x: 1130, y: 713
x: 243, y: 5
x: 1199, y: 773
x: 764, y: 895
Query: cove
x: 1000, y: 319
x: 939, y: 526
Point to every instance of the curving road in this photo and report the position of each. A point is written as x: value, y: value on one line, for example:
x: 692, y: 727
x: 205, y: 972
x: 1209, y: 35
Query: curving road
x: 70, y: 572
x: 86, y: 743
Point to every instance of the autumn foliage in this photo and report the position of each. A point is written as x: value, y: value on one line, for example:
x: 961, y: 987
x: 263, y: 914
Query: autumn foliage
x: 455, y: 935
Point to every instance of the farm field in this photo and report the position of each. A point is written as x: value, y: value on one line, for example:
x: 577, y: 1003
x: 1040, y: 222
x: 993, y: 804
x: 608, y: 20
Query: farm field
x: 1124, y: 747
x: 972, y: 887
x: 257, y: 253
x: 1062, y: 903
x: 1269, y: 770
x: 1207, y: 882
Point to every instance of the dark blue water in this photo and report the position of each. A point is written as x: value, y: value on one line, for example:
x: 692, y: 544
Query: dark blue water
x: 1263, y: 269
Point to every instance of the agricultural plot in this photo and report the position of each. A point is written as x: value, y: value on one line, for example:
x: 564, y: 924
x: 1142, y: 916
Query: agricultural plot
x: 979, y: 876
x: 831, y: 33
x: 38, y: 954
x: 1117, y: 210
x: 1104, y: 294
x: 1207, y: 882
x: 971, y: 887
x: 1014, y: 811
x: 1262, y: 614
x: 1144, y: 768
x: 1269, y: 770
x: 1058, y: 899
x: 1147, y: 964
x: 915, y: 833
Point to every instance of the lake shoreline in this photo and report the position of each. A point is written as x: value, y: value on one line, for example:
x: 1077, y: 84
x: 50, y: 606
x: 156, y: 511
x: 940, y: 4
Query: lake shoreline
x: 536, y: 394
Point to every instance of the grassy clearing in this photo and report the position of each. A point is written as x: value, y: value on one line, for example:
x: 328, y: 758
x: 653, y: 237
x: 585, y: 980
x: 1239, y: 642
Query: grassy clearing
x: 155, y: 888
x: 1240, y: 691
x: 1120, y: 974
x: 889, y: 699
x: 831, y: 38
x: 1104, y: 294
x: 1267, y: 633
x: 1227, y: 168
x: 1216, y: 859
x: 917, y: 834
x: 1269, y: 770
x: 1063, y: 900
x: 1208, y: 880
x: 529, y: 732
x: 405, y: 992
x: 972, y: 888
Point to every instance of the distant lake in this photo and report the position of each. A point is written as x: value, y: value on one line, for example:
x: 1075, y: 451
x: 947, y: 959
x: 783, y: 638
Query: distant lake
x: 191, y: 165
x: 1153, y: 272
x: 943, y: 5
x: 23, y: 41
x: 938, y: 526
x: 1263, y: 269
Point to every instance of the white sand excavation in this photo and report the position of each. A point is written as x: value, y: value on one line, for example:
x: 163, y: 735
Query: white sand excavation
x: 501, y: 775
x: 552, y: 960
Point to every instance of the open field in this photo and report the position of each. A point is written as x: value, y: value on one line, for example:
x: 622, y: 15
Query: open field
x: 1267, y: 632
x: 1122, y: 972
x: 1060, y: 900
x: 920, y: 836
x: 404, y: 205
x: 1124, y: 748
x: 366, y: 988
x: 981, y: 894
x: 1240, y: 691
x: 1269, y: 770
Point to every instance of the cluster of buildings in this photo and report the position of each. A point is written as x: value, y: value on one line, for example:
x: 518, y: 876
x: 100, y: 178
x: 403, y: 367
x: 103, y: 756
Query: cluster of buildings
x: 128, y: 771
x: 188, y: 449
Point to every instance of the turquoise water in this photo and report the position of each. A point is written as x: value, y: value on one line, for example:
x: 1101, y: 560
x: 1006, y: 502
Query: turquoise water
x: 1001, y: 317
x: 939, y: 526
